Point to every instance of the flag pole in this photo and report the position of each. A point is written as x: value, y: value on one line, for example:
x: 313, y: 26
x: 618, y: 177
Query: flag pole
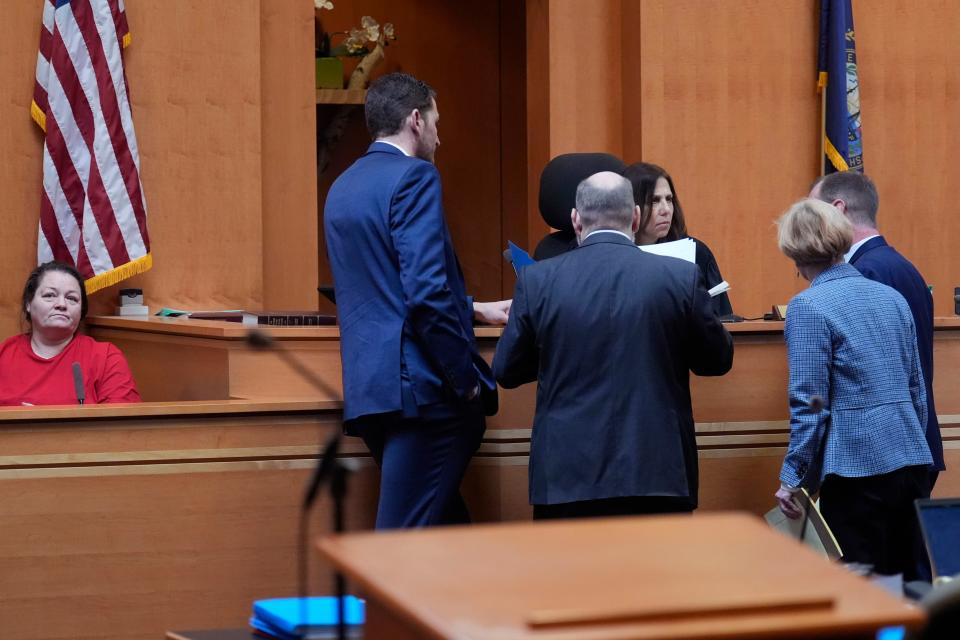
x: 822, y: 89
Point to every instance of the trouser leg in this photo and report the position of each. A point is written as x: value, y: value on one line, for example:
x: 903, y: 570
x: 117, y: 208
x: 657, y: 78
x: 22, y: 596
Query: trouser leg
x: 422, y: 463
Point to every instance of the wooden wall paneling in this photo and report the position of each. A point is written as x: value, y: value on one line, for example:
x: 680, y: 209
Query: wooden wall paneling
x: 574, y: 104
x: 321, y: 357
x: 462, y: 55
x: 129, y: 548
x: 514, y: 181
x: 740, y: 476
x: 191, y: 366
x: 237, y: 430
x: 760, y: 372
x: 21, y: 161
x: 538, y: 112
x: 734, y: 118
x: 495, y: 488
x: 195, y: 82
x: 631, y: 74
x: 168, y: 369
x: 946, y: 368
x: 585, y: 75
x: 289, y: 133
x: 730, y: 110
x: 190, y: 550
x: 222, y: 104
x: 909, y: 68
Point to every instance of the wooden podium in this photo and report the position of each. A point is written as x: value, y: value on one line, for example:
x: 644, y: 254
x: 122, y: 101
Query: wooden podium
x: 721, y: 575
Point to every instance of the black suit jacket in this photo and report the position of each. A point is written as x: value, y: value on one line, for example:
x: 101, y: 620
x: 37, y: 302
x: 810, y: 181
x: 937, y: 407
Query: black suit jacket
x: 611, y: 334
x: 878, y: 261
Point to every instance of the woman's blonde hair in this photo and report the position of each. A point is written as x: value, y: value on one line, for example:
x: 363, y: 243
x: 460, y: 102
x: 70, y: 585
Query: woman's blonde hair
x: 813, y: 232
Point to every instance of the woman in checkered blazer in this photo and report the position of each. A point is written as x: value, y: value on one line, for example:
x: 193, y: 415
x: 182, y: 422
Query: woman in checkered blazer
x: 857, y: 400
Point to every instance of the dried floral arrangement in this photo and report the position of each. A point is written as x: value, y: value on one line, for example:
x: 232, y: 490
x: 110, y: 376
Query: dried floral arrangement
x: 357, y: 42
x: 368, y: 41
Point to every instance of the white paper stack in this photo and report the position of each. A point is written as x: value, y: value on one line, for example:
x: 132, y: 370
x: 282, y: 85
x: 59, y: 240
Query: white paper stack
x: 685, y: 249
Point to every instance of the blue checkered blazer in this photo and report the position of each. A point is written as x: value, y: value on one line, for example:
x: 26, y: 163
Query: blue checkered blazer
x: 851, y: 342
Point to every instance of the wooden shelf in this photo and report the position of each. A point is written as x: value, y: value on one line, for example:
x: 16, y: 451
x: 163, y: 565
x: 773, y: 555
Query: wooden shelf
x: 341, y: 96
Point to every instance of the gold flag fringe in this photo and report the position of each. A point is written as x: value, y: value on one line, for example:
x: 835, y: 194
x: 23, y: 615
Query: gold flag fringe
x: 38, y: 116
x: 837, y: 160
x: 118, y: 274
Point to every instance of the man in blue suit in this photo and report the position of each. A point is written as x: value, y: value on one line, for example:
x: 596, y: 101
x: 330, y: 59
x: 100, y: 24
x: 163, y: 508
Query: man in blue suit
x: 611, y: 333
x: 855, y: 195
x: 414, y: 386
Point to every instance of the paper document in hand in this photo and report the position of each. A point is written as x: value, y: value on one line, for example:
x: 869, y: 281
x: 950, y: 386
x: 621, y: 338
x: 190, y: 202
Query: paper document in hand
x: 816, y: 533
x: 723, y: 287
x: 685, y: 249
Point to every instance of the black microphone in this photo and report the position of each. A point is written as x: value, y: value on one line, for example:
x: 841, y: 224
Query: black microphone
x: 78, y: 383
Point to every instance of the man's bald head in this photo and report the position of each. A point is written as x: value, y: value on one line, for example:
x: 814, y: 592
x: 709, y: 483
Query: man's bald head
x: 605, y: 201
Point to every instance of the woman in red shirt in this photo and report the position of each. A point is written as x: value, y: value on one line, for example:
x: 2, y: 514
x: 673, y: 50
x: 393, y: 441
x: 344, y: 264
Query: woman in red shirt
x: 36, y: 367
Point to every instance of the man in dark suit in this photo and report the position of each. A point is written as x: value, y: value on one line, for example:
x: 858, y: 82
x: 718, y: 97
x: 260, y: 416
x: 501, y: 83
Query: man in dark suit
x: 414, y: 387
x: 855, y: 195
x: 611, y: 334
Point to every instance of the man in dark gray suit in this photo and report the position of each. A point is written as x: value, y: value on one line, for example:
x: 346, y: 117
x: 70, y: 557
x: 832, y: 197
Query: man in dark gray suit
x: 611, y: 334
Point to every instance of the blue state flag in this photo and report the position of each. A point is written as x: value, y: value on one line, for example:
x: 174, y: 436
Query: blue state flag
x: 837, y: 65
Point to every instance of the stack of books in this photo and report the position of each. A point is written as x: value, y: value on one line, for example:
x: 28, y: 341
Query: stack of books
x: 269, y: 318
x: 312, y: 618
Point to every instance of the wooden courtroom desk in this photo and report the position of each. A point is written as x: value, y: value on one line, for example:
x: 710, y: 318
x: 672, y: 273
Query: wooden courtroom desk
x: 742, y: 417
x: 118, y: 522
x: 717, y: 575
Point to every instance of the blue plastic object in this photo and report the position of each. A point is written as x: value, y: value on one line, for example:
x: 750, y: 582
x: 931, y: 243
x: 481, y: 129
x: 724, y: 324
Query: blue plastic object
x: 292, y: 618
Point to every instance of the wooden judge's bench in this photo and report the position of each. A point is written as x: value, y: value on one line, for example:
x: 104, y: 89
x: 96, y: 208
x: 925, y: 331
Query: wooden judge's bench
x: 119, y: 522
x: 741, y: 418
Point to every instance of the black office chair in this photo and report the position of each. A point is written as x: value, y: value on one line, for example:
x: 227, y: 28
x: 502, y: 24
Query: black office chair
x: 558, y: 191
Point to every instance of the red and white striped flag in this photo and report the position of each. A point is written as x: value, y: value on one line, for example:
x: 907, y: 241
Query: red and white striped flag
x: 92, y: 211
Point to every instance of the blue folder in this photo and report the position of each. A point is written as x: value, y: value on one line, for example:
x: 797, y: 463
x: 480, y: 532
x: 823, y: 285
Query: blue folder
x: 517, y: 256
x: 289, y: 619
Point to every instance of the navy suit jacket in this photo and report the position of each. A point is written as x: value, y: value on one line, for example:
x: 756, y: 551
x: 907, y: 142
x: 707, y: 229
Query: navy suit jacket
x: 406, y: 324
x: 878, y: 261
x: 611, y: 334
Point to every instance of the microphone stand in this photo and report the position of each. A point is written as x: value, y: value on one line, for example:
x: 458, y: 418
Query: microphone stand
x: 327, y: 467
x: 338, y: 472
x: 338, y: 491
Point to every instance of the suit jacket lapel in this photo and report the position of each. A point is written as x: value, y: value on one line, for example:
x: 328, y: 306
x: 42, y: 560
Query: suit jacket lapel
x: 869, y: 245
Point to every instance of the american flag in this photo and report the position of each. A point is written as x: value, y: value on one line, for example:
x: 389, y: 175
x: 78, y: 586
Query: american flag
x: 92, y: 210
